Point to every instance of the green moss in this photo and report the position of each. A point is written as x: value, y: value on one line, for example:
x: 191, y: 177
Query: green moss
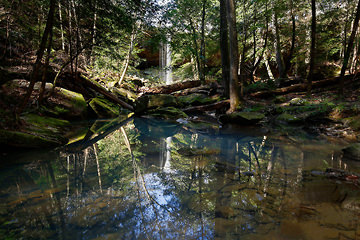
x: 195, y: 99
x: 353, y: 122
x: 247, y: 118
x: 41, y: 121
x: 77, y: 99
x: 104, y: 108
x: 289, y: 118
x: 21, y: 139
x: 167, y: 113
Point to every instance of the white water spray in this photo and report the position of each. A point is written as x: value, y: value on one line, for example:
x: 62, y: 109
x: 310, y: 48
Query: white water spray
x: 165, y: 62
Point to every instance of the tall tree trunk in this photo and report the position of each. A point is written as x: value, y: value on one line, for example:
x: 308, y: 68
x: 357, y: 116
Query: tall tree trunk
x: 224, y: 48
x: 195, y: 42
x: 93, y: 35
x: 234, y: 56
x: 70, y: 33
x: 293, y: 39
x: 46, y: 67
x: 202, y: 43
x: 349, y: 49
x: 312, y: 48
x: 276, y: 32
x: 39, y: 56
x: 61, y: 28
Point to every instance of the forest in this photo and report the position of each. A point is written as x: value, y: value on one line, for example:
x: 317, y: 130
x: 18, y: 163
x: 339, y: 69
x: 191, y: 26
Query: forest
x: 190, y: 119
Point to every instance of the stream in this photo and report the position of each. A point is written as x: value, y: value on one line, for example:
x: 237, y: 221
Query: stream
x: 158, y: 180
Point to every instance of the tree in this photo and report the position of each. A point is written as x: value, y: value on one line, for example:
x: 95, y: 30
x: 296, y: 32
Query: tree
x: 312, y: 48
x: 349, y: 49
x: 234, y: 56
x: 39, y: 55
x: 224, y: 48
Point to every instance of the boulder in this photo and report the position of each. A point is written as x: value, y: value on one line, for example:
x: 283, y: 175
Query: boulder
x: 66, y: 104
x: 195, y: 99
x: 168, y: 113
x: 148, y: 102
x: 246, y: 118
x: 58, y: 102
x: 352, y: 152
x: 105, y: 108
x: 298, y: 102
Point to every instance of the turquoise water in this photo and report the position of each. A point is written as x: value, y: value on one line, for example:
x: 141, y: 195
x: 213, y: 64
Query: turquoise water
x: 155, y: 180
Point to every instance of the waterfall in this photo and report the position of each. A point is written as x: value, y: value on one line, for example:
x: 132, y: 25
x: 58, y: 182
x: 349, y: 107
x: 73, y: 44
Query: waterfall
x: 165, y: 62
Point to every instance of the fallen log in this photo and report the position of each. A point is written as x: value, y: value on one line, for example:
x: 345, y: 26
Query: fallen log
x: 208, y: 107
x: 300, y: 87
x: 102, y: 90
x: 167, y: 89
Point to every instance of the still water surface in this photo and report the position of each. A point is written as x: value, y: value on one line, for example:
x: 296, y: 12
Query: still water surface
x: 155, y: 180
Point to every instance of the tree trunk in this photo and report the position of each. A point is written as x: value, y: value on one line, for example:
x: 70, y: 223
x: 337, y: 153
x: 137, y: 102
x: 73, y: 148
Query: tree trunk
x: 293, y: 39
x: 92, y: 57
x: 202, y: 43
x: 167, y: 89
x: 197, y: 56
x: 276, y: 32
x: 61, y: 28
x: 312, y: 48
x: 224, y: 48
x: 349, y: 49
x: 44, y: 76
x: 234, y: 56
x: 39, y: 56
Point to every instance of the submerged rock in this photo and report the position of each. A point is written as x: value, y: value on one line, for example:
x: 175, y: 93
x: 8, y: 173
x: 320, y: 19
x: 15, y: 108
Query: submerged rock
x: 247, y: 118
x: 352, y: 152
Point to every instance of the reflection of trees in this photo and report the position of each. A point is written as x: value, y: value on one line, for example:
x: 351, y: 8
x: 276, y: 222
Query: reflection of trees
x: 226, y: 186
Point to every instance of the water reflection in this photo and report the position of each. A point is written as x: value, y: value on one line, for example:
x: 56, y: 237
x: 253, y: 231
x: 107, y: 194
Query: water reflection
x: 154, y: 180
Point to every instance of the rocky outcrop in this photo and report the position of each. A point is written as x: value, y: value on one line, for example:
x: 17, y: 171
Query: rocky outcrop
x: 148, y: 102
x: 245, y: 118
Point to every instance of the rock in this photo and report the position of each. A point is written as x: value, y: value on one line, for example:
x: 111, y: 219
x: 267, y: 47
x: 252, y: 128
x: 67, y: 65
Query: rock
x: 147, y: 102
x: 66, y: 104
x: 352, y: 152
x: 169, y: 113
x: 105, y: 109
x: 289, y: 118
x: 297, y: 102
x: 61, y: 103
x: 195, y: 99
x: 126, y: 95
x: 247, y: 118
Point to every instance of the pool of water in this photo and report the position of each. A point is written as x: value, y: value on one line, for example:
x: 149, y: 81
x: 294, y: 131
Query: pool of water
x: 155, y: 180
